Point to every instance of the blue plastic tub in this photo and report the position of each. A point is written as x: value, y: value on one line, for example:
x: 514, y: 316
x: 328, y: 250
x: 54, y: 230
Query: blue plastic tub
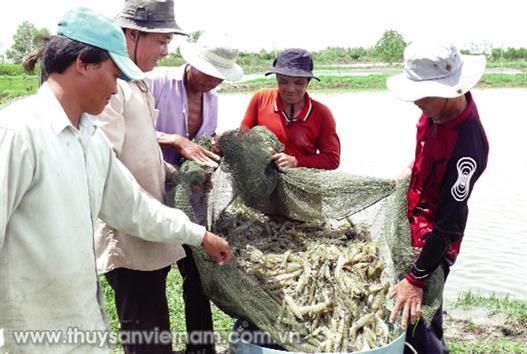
x: 395, y: 347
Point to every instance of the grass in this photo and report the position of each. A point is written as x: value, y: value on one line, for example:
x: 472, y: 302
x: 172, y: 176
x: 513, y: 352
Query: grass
x: 516, y: 311
x: 374, y: 82
x: 514, y: 64
x: 469, y: 326
x: 348, y: 83
x: 222, y: 322
x: 16, y: 86
x: 498, y: 338
x: 357, y: 66
x: 22, y: 85
x: 503, y: 346
x: 503, y: 80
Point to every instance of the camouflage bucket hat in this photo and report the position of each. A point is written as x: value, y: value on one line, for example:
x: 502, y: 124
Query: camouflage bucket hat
x: 155, y: 16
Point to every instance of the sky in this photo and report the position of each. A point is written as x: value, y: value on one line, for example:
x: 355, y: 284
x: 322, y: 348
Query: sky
x: 312, y: 24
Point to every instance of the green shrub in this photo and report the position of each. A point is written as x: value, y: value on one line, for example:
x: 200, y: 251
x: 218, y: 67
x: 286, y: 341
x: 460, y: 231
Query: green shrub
x: 11, y: 70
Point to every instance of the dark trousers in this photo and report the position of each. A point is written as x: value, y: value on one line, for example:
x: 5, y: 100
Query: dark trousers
x: 428, y: 340
x: 140, y: 299
x: 198, y: 315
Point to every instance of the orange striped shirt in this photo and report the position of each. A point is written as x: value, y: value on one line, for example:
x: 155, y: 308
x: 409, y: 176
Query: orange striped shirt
x: 311, y: 137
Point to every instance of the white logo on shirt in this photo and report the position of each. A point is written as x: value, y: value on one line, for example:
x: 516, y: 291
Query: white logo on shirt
x: 466, y: 166
x: 1, y: 337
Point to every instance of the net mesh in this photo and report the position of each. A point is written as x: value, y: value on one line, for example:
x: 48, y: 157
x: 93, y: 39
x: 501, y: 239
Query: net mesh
x: 184, y: 193
x: 327, y: 199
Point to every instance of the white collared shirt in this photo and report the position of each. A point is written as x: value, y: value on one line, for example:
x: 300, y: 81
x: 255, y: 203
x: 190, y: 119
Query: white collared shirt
x: 55, y: 181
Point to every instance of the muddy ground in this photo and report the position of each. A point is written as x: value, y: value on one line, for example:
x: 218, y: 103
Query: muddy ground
x: 478, y: 324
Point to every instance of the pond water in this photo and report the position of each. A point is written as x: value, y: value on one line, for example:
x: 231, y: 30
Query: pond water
x: 377, y: 134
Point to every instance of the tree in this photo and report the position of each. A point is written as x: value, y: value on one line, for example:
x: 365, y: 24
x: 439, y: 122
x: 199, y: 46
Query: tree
x: 26, y: 39
x: 194, y: 36
x: 390, y: 47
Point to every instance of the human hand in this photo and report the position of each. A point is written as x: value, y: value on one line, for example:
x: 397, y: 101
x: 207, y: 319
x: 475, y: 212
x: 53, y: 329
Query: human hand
x: 189, y: 150
x: 407, y: 172
x: 408, y: 298
x: 216, y: 247
x: 283, y: 160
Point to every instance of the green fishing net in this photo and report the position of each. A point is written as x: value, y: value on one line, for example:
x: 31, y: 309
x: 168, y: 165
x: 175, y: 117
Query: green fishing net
x: 184, y: 193
x: 328, y: 199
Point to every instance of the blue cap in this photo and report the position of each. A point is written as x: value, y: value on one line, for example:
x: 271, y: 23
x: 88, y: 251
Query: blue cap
x: 90, y: 27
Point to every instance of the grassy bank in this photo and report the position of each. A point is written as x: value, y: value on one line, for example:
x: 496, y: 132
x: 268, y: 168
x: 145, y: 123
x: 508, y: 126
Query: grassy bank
x: 486, y: 324
x: 222, y: 322
x: 22, y: 85
x: 474, y: 324
x: 335, y: 83
x: 16, y: 86
x: 503, y: 80
x: 514, y: 311
x: 375, y: 82
x: 512, y: 64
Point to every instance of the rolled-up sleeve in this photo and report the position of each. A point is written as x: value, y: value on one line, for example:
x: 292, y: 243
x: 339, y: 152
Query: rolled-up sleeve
x: 127, y: 208
x: 16, y: 175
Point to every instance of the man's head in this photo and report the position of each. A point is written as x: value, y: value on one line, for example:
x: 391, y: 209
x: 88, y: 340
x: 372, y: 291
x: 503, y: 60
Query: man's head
x: 294, y: 62
x: 211, y: 60
x: 148, y: 26
x: 435, y: 70
x: 294, y: 70
x: 89, y: 70
x: 86, y: 57
x: 91, y: 29
x: 198, y: 81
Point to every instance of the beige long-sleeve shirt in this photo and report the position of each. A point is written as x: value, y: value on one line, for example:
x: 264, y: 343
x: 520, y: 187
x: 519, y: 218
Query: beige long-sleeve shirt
x: 55, y: 180
x: 128, y: 121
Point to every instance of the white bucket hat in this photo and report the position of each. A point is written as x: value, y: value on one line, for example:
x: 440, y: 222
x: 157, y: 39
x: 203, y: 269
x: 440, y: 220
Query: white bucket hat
x: 213, y: 55
x: 436, y: 70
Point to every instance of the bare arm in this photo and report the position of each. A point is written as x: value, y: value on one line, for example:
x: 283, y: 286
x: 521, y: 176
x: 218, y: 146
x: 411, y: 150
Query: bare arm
x: 189, y: 150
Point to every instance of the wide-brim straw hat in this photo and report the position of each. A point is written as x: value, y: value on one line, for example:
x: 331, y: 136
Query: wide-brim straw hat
x: 436, y: 70
x: 213, y: 55
x: 152, y: 16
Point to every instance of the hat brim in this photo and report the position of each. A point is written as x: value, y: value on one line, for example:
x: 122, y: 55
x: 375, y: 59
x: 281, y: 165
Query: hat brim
x: 129, y: 71
x: 291, y: 72
x: 127, y: 23
x: 190, y: 52
x: 453, y: 86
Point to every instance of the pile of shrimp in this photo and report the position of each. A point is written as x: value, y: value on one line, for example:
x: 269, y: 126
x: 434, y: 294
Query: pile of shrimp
x: 329, y: 280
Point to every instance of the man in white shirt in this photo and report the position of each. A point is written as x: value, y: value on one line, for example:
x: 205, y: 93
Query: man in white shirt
x: 58, y: 174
